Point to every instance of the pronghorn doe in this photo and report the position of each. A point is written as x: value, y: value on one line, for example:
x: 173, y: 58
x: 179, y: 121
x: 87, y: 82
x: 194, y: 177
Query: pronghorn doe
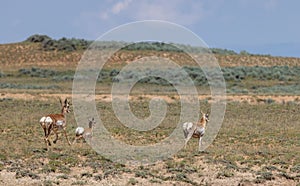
x: 55, y: 122
x: 81, y: 132
x: 195, y: 130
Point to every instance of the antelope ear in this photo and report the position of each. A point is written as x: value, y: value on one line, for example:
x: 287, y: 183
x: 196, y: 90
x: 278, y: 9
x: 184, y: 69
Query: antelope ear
x: 201, y: 112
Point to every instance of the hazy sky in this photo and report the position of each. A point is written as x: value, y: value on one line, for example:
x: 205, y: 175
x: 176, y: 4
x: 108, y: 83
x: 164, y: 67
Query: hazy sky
x: 258, y: 26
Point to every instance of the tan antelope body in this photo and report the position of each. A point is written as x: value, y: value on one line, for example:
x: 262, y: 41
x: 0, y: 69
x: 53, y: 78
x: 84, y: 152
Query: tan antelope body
x: 86, y: 133
x: 55, y: 122
x: 195, y: 130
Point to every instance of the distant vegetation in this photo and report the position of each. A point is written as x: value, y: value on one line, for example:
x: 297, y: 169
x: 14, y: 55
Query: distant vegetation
x: 239, y: 80
x: 2, y: 74
x: 73, y: 44
x: 230, y: 74
x: 26, y: 86
x: 285, y: 79
x: 235, y: 74
x: 62, y: 44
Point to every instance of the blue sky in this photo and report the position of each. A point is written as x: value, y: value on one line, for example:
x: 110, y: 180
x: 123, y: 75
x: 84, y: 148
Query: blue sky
x: 258, y: 26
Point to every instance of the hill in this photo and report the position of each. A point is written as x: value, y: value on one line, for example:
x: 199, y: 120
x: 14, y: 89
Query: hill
x: 45, y: 52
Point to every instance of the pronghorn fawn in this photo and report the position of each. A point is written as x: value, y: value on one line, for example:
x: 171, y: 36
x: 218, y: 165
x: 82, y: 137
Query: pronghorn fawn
x: 195, y: 130
x: 85, y: 133
x: 56, y: 122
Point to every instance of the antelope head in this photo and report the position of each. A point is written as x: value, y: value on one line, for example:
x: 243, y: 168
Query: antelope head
x: 92, y: 123
x: 205, y: 116
x: 65, y: 105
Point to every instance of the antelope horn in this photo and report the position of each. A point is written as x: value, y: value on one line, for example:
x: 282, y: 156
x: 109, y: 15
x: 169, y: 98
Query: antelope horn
x: 66, y: 101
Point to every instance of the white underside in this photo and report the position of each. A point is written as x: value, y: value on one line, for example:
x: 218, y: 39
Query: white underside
x: 188, y: 128
x: 60, y: 122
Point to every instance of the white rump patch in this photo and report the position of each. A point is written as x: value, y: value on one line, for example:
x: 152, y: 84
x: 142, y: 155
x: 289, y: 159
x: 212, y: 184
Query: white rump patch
x: 79, y: 131
x: 187, y: 126
x: 60, y: 122
x: 42, y: 120
x: 46, y: 120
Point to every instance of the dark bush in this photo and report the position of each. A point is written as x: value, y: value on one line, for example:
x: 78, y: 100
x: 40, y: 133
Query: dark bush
x: 73, y: 44
x: 2, y: 74
x: 38, y: 38
x: 114, y: 72
x: 49, y: 44
x: 223, y: 51
x: 38, y: 72
x: 62, y: 44
x: 26, y: 86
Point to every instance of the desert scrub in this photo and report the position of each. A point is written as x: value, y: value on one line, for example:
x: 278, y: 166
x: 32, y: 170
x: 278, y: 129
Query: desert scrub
x: 132, y: 181
x: 73, y: 44
x: 234, y: 74
x: 50, y: 182
x: 37, y: 72
x: 225, y: 174
x: 79, y: 182
x: 239, y: 80
x: 63, y: 44
x: 282, y: 89
x: 63, y: 176
x: 296, y: 168
x: 181, y: 167
x: 2, y: 74
x: 26, y: 173
x: 28, y: 86
x: 47, y: 73
x: 265, y: 176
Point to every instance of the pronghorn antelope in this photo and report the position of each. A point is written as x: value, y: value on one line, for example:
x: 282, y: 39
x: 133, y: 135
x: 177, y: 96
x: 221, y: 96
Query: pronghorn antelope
x: 55, y: 122
x: 81, y: 132
x: 195, y: 130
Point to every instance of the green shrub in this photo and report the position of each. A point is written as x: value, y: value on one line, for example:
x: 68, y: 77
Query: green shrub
x: 265, y: 176
x: 28, y: 86
x: 26, y: 173
x: 62, y: 44
x: 223, y: 51
x: 234, y: 74
x: 37, y: 72
x: 69, y: 45
x: 2, y: 74
x: 132, y: 181
x: 37, y: 38
x: 296, y: 168
x: 270, y: 101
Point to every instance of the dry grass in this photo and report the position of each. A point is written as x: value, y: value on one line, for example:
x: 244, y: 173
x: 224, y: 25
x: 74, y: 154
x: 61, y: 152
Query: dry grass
x: 256, y: 142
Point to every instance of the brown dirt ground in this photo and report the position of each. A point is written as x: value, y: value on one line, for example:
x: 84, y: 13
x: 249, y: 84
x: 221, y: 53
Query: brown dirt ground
x: 208, y: 177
